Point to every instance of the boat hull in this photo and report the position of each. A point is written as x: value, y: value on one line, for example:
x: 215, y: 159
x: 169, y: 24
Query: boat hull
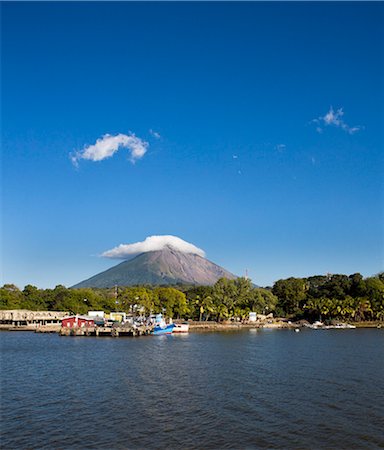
x: 168, y: 329
x: 181, y: 328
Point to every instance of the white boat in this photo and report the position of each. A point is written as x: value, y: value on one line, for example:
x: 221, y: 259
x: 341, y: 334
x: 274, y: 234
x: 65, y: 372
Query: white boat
x: 339, y: 326
x: 315, y: 326
x: 320, y: 326
x: 181, y: 327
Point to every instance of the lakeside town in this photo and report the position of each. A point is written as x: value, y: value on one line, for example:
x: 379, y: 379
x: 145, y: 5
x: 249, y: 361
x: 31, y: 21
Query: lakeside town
x: 329, y: 299
x: 192, y: 217
x: 115, y: 324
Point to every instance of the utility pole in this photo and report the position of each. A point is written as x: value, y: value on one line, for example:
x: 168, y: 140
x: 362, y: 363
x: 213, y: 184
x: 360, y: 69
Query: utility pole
x: 115, y: 295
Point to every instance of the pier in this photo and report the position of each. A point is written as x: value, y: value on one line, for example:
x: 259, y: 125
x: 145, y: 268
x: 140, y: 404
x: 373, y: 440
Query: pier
x: 115, y: 331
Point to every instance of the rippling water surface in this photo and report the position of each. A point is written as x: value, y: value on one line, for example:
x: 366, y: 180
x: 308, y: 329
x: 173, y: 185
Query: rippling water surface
x: 242, y: 390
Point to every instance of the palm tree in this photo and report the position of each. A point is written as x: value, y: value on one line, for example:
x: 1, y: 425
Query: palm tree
x: 222, y: 312
x: 364, y: 308
x: 208, y: 306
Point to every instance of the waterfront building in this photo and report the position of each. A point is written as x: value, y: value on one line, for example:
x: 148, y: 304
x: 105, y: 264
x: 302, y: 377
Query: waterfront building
x: 77, y: 322
x: 25, y: 317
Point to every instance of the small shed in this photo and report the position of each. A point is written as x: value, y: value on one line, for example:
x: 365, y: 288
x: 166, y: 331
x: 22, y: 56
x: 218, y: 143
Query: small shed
x: 117, y: 316
x: 96, y: 314
x: 77, y: 321
x: 252, y: 317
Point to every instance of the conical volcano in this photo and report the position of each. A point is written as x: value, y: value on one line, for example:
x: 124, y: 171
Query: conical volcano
x: 162, y: 267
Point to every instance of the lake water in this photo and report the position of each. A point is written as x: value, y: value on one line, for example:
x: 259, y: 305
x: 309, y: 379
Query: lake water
x: 242, y: 390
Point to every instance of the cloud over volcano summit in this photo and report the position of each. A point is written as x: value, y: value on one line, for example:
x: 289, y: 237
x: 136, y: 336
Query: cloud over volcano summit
x: 152, y: 243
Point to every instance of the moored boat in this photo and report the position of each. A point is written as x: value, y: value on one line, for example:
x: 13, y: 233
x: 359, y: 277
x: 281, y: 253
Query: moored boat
x: 315, y: 326
x: 181, y: 327
x: 163, y: 329
x: 341, y: 326
x: 320, y: 326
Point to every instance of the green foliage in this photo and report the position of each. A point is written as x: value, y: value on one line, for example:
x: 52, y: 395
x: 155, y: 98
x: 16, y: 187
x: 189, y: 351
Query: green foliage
x: 291, y: 294
x: 343, y: 297
x: 136, y: 299
x: 200, y: 302
x: 224, y: 297
x: 11, y: 297
x: 172, y: 301
x: 318, y: 297
x: 262, y: 301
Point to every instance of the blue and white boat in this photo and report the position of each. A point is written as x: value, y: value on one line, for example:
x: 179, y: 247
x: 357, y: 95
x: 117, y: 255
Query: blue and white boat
x: 161, y: 327
x: 166, y: 329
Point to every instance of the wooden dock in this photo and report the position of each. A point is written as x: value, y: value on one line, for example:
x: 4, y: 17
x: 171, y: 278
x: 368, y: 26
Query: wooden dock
x: 115, y: 331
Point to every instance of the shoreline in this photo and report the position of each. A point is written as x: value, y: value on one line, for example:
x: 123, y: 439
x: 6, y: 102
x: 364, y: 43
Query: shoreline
x: 196, y: 327
x: 277, y: 324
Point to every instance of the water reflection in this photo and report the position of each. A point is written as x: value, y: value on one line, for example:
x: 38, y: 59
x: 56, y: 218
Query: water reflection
x: 253, y: 389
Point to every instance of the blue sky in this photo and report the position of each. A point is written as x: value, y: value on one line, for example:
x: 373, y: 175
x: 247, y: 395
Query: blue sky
x: 270, y: 117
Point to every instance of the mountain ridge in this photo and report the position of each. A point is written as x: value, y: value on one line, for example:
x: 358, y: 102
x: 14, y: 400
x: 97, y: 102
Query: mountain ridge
x: 160, y: 267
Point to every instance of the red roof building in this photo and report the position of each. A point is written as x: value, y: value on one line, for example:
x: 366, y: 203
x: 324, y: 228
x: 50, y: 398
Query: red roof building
x: 77, y: 322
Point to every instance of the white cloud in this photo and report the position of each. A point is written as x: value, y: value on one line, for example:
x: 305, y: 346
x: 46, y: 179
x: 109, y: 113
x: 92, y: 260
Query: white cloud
x: 106, y: 146
x: 354, y: 129
x: 154, y: 134
x: 280, y: 147
x: 152, y: 243
x: 335, y: 118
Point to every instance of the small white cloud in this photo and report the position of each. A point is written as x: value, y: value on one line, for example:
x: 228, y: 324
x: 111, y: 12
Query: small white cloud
x: 155, y: 134
x: 152, y: 243
x: 106, y: 146
x: 353, y: 130
x: 280, y: 147
x: 234, y: 156
x: 335, y: 118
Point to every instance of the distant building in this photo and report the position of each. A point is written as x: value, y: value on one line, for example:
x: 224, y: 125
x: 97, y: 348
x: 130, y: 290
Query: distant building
x: 117, y: 316
x: 252, y: 317
x: 25, y: 317
x: 96, y: 314
x: 77, y: 322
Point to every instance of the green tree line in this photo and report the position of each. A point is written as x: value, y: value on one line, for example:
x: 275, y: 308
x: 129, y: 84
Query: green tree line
x: 332, y: 297
x: 318, y: 297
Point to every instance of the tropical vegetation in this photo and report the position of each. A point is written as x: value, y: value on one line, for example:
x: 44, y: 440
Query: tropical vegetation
x: 319, y: 297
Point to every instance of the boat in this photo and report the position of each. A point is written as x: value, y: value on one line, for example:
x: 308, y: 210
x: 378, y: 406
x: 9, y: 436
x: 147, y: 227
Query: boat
x: 315, y: 326
x: 341, y: 326
x: 163, y: 329
x: 338, y: 326
x: 181, y: 327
